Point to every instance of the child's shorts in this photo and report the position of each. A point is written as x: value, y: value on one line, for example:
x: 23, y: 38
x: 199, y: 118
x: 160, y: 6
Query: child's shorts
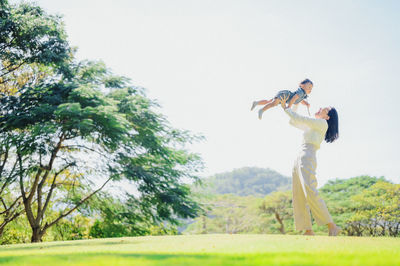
x: 283, y: 94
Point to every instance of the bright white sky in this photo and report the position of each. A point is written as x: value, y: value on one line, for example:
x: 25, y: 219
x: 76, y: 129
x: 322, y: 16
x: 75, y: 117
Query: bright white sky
x: 205, y: 61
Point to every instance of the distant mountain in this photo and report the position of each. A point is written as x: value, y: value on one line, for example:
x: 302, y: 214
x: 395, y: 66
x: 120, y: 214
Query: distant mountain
x: 246, y: 181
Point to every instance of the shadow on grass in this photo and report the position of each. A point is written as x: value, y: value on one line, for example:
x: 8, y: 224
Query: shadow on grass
x: 124, y: 259
x: 282, y: 258
x: 49, y: 245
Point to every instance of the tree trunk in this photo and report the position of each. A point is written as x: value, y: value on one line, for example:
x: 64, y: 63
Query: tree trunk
x: 282, y: 228
x: 204, y: 231
x: 36, y: 235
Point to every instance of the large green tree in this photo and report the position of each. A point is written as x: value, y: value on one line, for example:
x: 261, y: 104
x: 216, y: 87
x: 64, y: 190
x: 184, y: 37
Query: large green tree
x: 73, y: 135
x: 32, y: 44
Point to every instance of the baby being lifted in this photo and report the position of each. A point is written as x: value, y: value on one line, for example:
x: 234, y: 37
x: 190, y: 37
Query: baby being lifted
x: 296, y: 97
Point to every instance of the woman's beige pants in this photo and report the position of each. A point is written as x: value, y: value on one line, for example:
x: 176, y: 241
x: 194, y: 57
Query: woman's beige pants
x: 305, y: 193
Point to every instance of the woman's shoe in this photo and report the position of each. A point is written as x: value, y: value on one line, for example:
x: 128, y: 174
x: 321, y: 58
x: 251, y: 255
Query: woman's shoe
x: 309, y: 233
x: 335, y: 231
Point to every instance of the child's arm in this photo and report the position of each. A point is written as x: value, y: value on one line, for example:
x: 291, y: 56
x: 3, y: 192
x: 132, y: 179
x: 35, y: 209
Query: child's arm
x: 294, y: 98
x: 304, y: 102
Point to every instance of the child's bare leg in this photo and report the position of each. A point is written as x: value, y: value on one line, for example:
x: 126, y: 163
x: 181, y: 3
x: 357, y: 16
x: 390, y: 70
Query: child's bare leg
x: 262, y: 102
x: 274, y: 103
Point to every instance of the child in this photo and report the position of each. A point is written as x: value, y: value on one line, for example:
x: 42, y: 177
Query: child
x: 296, y: 97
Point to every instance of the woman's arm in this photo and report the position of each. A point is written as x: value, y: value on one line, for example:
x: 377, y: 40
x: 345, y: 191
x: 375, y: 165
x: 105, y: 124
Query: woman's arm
x: 297, y: 119
x: 300, y: 121
x: 292, y: 121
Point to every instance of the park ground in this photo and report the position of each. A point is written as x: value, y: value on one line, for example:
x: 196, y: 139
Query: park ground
x: 216, y: 249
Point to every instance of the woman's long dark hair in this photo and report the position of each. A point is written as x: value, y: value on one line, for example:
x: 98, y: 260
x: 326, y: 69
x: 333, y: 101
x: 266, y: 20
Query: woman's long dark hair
x: 333, y: 126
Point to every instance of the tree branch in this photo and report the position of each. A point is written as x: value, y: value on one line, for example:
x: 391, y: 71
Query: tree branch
x: 5, y: 159
x: 21, y: 183
x: 76, y: 206
x: 6, y: 182
x: 53, y: 185
x: 12, y: 69
x: 11, y: 206
x: 44, y: 178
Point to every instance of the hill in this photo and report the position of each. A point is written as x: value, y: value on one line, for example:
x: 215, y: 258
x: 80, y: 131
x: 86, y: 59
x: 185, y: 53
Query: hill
x: 246, y: 181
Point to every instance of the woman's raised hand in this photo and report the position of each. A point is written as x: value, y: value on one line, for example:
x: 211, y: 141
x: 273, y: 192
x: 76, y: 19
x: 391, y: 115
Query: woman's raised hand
x: 283, y: 101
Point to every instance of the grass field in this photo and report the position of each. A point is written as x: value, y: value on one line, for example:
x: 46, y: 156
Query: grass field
x: 208, y: 250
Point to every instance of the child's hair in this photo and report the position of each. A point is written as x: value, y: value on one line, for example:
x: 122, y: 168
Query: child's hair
x: 333, y: 126
x: 306, y: 81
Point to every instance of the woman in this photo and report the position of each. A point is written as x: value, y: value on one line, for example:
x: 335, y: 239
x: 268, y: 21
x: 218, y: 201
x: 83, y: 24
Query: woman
x: 305, y: 193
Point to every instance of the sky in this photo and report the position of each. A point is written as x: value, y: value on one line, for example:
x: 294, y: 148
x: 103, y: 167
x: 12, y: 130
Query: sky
x: 206, y: 61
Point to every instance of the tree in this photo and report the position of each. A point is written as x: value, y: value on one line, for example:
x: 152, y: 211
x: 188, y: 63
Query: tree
x: 49, y: 123
x: 10, y: 208
x: 229, y: 214
x: 74, y: 133
x: 116, y: 218
x: 74, y: 228
x: 378, y: 210
x: 280, y: 205
x: 29, y: 40
x: 26, y: 75
x: 339, y: 194
x: 29, y: 35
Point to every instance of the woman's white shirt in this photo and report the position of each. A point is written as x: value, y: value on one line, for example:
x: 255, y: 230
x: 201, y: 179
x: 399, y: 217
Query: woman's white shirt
x: 314, y: 128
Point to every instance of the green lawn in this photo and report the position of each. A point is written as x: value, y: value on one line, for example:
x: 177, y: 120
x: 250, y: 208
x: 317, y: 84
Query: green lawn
x: 208, y: 250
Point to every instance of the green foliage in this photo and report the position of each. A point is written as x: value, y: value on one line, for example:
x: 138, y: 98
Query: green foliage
x: 362, y: 205
x: 279, y: 204
x: 116, y: 218
x: 231, y: 214
x: 338, y: 195
x: 246, y: 181
x: 235, y: 213
x: 32, y: 46
x: 159, y: 230
x: 29, y: 35
x: 64, y: 119
x: 378, y: 211
x: 17, y: 231
x: 73, y: 228
x: 344, y: 188
x: 81, y: 110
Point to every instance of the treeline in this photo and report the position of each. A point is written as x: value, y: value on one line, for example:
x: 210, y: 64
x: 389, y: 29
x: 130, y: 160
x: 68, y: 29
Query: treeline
x: 361, y: 206
x: 70, y: 128
x: 245, y: 181
x: 365, y: 206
